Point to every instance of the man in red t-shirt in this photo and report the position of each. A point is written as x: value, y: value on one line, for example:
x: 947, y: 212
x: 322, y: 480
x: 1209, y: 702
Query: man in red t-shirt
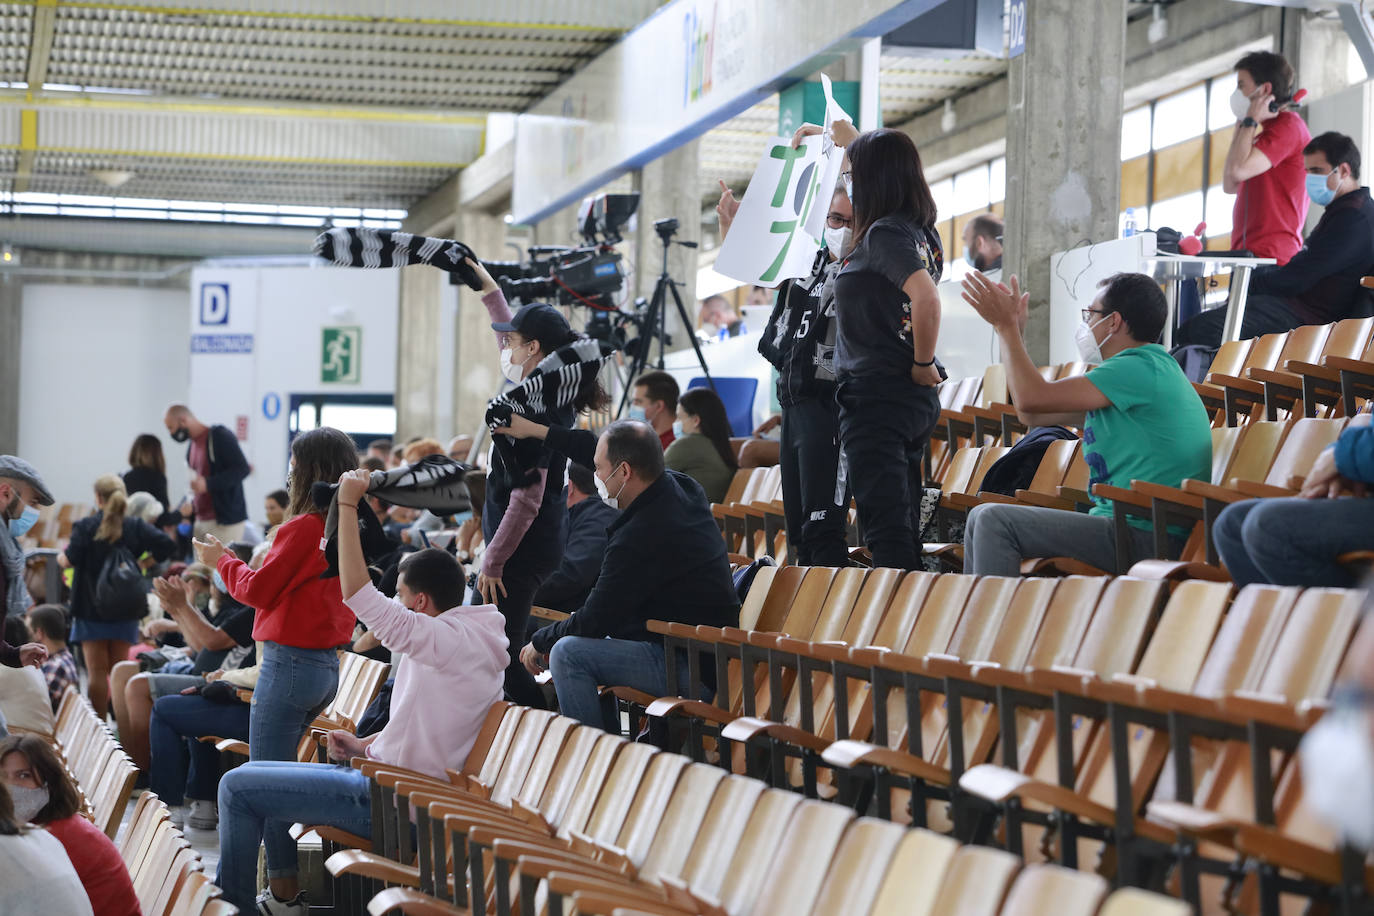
x: 1264, y: 165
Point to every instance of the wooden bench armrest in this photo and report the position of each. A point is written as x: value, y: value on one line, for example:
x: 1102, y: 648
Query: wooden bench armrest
x: 1345, y: 364
x: 371, y: 865
x: 747, y: 727
x: 680, y: 706
x: 411, y: 902
x: 848, y: 754
x: 1045, y: 500
x: 1192, y: 819
x: 1236, y: 383
x: 1121, y: 495
x: 1211, y: 491
x: 1287, y: 379
x: 547, y: 613
x: 1074, y: 495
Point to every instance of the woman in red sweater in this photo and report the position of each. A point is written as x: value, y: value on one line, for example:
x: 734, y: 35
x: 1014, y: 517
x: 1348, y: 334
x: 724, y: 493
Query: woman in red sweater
x: 301, y: 618
x: 45, y: 795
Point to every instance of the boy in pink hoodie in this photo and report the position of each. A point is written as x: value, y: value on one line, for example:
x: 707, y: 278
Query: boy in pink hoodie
x: 448, y: 662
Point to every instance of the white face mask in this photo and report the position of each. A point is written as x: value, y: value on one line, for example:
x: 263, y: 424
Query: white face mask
x: 1088, y: 348
x: 1337, y: 758
x: 28, y: 802
x: 1240, y: 104
x: 605, y: 493
x: 511, y: 369
x: 837, y: 240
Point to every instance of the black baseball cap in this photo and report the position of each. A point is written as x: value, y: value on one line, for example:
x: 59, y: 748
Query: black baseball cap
x: 538, y: 321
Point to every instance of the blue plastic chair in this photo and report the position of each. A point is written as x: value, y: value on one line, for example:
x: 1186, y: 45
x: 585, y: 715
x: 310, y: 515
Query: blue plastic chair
x: 737, y: 394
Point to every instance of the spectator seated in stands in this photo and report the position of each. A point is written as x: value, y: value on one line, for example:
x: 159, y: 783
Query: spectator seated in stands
x: 1141, y: 420
x: 450, y: 674
x: 181, y: 708
x: 665, y: 560
x: 35, y: 871
x: 701, y: 444
x: 1321, y: 283
x: 718, y: 315
x: 1298, y: 540
x: 585, y: 547
x: 49, y: 624
x: 43, y: 794
x: 225, y: 643
x: 654, y: 400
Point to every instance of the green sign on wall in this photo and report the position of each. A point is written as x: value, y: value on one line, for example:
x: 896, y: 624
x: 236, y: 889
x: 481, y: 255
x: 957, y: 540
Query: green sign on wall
x: 341, y: 355
x: 803, y: 103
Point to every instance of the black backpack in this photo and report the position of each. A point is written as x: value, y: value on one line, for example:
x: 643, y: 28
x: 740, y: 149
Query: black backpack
x: 121, y: 591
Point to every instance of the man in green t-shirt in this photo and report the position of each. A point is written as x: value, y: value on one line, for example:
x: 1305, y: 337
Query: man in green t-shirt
x: 1141, y: 420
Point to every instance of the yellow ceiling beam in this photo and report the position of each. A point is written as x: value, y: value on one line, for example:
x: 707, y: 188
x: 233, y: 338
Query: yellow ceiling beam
x: 215, y: 157
x: 162, y: 104
x: 28, y: 145
x: 332, y: 17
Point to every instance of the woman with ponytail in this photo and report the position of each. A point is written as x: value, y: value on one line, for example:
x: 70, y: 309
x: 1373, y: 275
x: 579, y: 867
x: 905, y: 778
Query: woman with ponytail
x: 106, y: 633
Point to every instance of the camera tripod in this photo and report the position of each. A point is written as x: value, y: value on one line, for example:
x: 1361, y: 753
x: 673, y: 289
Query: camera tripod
x: 655, y: 320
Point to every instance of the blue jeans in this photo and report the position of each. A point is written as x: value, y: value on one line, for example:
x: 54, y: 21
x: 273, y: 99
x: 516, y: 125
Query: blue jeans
x: 294, y: 685
x: 1293, y: 541
x: 183, y: 767
x: 258, y: 803
x: 580, y: 663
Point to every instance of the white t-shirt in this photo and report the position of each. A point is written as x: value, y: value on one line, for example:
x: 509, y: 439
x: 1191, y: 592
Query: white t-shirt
x: 37, y: 877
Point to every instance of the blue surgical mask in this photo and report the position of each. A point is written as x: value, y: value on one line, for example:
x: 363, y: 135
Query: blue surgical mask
x: 678, y: 432
x: 1318, y: 190
x: 636, y: 412
x: 218, y: 581
x: 20, y: 526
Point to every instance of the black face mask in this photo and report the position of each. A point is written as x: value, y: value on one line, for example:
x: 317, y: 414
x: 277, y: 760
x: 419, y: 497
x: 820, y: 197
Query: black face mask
x: 181, y: 434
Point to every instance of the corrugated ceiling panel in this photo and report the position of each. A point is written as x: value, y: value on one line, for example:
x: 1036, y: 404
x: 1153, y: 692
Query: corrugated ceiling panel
x: 16, y: 25
x: 190, y: 134
x: 602, y: 13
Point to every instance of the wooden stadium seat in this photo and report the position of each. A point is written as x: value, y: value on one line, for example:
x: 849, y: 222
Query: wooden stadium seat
x: 1131, y: 901
x: 1241, y: 392
x: 976, y: 881
x: 1263, y: 353
x: 1047, y: 889
x: 1285, y: 386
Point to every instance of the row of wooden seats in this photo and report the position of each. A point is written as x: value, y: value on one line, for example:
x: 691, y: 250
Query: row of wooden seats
x: 1034, y: 667
x: 95, y: 760
x: 166, y: 872
x: 548, y: 816
x: 54, y: 525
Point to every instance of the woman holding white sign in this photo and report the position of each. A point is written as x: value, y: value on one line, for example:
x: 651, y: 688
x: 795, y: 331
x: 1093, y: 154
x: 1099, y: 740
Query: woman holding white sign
x: 887, y: 315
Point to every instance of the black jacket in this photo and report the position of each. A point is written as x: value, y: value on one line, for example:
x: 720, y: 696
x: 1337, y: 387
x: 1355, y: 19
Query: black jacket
x: 799, y: 340
x: 583, y: 552
x: 1321, y: 283
x: 146, y: 480
x: 228, y: 468
x: 665, y: 560
x: 87, y: 556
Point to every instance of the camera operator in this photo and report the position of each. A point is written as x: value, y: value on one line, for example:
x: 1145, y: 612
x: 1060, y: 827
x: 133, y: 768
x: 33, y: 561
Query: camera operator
x: 799, y: 341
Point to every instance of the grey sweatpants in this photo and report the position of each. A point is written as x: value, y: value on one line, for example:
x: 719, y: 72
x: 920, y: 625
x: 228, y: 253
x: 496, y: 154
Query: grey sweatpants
x: 998, y: 537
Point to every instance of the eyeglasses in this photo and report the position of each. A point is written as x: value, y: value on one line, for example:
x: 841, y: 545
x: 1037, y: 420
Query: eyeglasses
x: 1089, y: 313
x: 836, y: 221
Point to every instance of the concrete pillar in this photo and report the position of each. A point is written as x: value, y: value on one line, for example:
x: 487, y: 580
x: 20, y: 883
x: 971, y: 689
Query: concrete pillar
x: 418, y: 359
x: 11, y: 351
x: 1063, y: 142
x: 559, y: 228
x: 669, y: 187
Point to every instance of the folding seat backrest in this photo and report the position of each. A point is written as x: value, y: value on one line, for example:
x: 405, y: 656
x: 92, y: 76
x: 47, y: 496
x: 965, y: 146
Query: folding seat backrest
x: 1077, y: 476
x: 755, y: 483
x: 851, y: 883
x: 1010, y: 647
x: 1349, y: 338
x: 990, y: 456
x: 526, y: 774
x: 1110, y: 646
x: 810, y: 599
x: 959, y: 475
x: 1225, y: 439
x: 665, y: 780
x: 771, y: 488
x: 1066, y: 621
x: 622, y: 762
x: 1132, y: 901
x: 528, y: 740
x: 1049, y: 473
x: 753, y: 603
x: 737, y: 485
x: 994, y: 390
x: 698, y: 792
x: 976, y: 881
x: 904, y: 609
x: 775, y: 600
x: 1255, y: 450
x: 798, y: 864
x: 629, y: 773
x: 977, y: 629
x: 581, y: 769
x: 1048, y: 890
x: 1303, y: 666
x: 871, y: 606
x: 1172, y: 660
x: 564, y: 740
x: 729, y: 865
x: 1230, y: 358
x: 1264, y: 352
x: 1072, y: 370
x: 914, y: 875
x: 1300, y: 449
x: 500, y: 744
x: 839, y: 604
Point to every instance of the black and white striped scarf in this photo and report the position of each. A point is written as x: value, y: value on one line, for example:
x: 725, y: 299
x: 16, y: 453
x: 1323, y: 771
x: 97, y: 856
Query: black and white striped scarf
x: 553, y: 384
x: 377, y: 248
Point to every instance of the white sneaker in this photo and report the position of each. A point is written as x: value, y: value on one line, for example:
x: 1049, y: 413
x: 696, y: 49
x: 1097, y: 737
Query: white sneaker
x: 269, y: 905
x: 177, y: 815
x: 203, y: 815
